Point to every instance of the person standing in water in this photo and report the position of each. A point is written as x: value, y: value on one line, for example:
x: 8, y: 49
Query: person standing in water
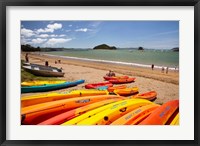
x: 163, y: 69
x: 167, y: 70
x: 152, y: 66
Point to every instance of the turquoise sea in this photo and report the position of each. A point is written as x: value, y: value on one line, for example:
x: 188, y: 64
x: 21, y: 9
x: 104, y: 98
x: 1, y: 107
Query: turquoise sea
x: 159, y: 58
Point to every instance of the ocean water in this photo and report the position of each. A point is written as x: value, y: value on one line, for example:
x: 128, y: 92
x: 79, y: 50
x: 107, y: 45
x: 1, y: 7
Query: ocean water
x: 159, y: 58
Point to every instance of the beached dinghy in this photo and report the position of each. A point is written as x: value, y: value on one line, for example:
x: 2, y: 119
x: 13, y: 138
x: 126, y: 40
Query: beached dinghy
x: 50, y: 87
x: 41, y: 70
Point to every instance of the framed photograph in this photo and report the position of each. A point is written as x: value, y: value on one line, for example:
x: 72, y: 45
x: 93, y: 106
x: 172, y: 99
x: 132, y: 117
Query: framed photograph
x: 99, y: 72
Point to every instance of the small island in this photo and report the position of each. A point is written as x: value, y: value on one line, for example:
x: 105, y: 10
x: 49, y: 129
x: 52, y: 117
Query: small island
x: 140, y: 48
x: 106, y: 47
x: 175, y: 49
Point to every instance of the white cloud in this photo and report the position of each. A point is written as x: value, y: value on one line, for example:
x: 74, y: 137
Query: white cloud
x: 50, y: 28
x: 54, y: 26
x: 54, y: 41
x: 45, y: 30
x: 55, y: 35
x: 68, y: 30
x: 43, y: 35
x: 70, y: 25
x: 27, y: 32
x: 38, y: 41
x: 62, y: 35
x: 82, y: 30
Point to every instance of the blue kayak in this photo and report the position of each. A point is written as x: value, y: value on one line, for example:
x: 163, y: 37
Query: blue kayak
x: 50, y: 87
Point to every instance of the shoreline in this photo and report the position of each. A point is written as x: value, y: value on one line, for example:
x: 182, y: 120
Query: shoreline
x: 108, y: 61
x: 166, y: 85
x: 147, y: 72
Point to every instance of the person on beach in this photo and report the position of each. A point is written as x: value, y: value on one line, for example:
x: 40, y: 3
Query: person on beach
x: 163, y: 69
x: 27, y: 57
x: 46, y: 63
x: 152, y: 66
x: 59, y: 61
x: 167, y: 70
x: 110, y: 74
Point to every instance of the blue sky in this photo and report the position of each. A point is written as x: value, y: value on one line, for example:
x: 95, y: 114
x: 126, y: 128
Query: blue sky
x: 88, y: 34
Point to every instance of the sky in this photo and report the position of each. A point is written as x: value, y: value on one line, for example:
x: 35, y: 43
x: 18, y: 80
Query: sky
x: 88, y: 34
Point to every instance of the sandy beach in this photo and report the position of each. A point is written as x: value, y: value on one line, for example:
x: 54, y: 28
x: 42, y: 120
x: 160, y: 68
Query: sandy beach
x: 166, y: 85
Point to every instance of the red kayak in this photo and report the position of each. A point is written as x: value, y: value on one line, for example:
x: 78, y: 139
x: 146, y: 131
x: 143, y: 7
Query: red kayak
x: 122, y: 81
x: 115, y: 77
x: 97, y: 85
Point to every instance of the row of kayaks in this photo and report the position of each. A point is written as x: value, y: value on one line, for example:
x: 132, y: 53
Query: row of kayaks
x: 42, y: 86
x: 54, y: 96
x: 114, y: 105
x: 99, y: 110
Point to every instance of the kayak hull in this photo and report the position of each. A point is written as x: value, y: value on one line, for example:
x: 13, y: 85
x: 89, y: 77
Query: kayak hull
x: 44, y: 88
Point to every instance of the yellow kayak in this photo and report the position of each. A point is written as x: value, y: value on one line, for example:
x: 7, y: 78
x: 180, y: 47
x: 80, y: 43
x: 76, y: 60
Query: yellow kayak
x: 175, y: 121
x: 39, y: 83
x: 41, y: 98
x: 91, y: 117
x: 74, y: 121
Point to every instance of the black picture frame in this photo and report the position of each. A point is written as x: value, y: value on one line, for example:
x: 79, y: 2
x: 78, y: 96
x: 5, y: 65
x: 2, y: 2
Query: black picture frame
x: 5, y: 3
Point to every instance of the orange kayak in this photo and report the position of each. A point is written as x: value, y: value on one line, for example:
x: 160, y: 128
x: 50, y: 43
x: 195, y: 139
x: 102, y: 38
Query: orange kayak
x: 61, y: 118
x: 161, y: 115
x: 148, y: 95
x: 111, y: 89
x: 127, y: 91
x: 122, y: 81
x: 46, y: 110
x: 41, y: 98
x: 130, y: 117
x: 115, y: 77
